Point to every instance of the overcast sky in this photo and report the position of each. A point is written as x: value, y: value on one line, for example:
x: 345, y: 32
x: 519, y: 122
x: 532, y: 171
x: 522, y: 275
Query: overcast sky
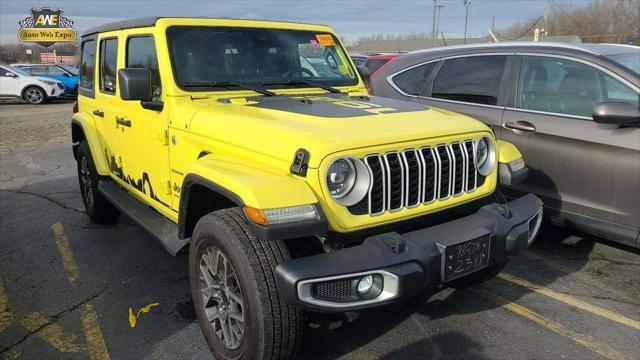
x: 348, y: 17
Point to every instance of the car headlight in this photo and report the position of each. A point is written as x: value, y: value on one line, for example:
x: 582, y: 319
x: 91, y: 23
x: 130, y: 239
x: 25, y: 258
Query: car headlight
x: 49, y: 82
x: 348, y: 180
x: 485, y: 156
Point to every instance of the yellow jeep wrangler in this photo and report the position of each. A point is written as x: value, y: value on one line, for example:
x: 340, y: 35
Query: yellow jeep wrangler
x: 255, y: 144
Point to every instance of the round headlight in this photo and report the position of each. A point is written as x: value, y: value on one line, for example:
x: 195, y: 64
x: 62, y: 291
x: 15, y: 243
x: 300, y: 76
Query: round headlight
x: 348, y: 180
x: 485, y: 156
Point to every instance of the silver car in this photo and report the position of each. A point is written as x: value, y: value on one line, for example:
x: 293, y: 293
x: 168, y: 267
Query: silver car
x: 571, y: 109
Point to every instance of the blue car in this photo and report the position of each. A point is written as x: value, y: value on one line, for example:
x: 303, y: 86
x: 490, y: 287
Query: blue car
x: 66, y: 74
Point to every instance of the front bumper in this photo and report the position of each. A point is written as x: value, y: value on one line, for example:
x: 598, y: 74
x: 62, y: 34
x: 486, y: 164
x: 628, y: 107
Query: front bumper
x: 405, y: 263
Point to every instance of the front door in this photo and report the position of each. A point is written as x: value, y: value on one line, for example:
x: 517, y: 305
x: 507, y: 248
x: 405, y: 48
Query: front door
x: 578, y: 167
x: 144, y: 140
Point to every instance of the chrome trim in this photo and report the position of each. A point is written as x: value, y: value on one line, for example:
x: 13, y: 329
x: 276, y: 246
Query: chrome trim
x: 464, y: 167
x: 390, y: 289
x: 408, y: 177
x: 384, y: 185
x: 475, y: 166
x: 370, y: 184
x: 446, y: 149
x: 386, y: 159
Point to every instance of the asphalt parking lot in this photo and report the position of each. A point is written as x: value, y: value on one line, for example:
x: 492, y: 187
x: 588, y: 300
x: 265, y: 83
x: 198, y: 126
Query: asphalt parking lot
x: 67, y: 285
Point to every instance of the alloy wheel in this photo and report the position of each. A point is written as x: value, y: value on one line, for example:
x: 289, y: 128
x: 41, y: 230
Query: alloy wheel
x: 34, y: 96
x: 222, y: 297
x: 85, y: 179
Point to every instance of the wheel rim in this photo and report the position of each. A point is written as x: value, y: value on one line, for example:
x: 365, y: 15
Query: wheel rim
x: 34, y: 95
x: 221, y: 297
x: 85, y: 179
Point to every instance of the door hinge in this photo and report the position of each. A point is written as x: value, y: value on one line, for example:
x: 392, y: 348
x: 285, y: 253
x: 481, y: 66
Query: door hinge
x: 163, y: 136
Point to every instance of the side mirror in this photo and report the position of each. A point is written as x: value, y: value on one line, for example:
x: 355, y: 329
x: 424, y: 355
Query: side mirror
x: 365, y: 75
x: 135, y: 84
x: 616, y: 113
x: 10, y: 74
x: 67, y: 75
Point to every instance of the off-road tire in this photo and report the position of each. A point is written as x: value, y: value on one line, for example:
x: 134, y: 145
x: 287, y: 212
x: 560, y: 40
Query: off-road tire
x: 272, y: 330
x: 99, y: 209
x: 34, y: 95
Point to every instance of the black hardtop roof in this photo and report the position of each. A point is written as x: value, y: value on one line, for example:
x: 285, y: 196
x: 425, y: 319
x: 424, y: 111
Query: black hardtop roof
x: 151, y: 21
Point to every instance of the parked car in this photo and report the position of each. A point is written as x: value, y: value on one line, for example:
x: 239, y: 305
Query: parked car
x: 294, y: 190
x: 375, y: 62
x: 66, y: 74
x: 15, y: 83
x: 359, y: 60
x: 571, y: 109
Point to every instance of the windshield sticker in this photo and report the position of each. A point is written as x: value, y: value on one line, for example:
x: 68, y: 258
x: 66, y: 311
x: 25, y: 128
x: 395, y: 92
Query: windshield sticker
x: 325, y: 40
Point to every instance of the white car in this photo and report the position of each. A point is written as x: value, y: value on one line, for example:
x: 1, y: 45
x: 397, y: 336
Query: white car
x: 15, y: 83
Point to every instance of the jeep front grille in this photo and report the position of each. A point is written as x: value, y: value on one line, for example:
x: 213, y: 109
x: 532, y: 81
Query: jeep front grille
x: 409, y: 178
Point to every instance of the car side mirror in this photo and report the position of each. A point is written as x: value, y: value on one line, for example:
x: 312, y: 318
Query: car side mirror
x: 616, y: 113
x: 10, y: 74
x: 67, y: 75
x: 135, y: 84
x: 365, y: 75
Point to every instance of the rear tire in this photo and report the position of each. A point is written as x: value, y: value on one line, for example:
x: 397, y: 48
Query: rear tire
x: 269, y: 328
x: 99, y: 209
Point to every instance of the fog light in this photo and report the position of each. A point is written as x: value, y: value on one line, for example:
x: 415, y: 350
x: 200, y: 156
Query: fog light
x: 365, y: 284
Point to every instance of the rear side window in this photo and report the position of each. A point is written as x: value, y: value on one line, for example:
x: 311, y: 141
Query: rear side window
x: 141, y: 54
x: 55, y: 71
x: 108, y: 63
x: 413, y: 80
x: 470, y: 79
x: 87, y: 65
x: 37, y: 70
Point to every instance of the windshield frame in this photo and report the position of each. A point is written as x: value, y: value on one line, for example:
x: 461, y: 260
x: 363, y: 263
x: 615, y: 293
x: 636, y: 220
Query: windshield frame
x: 355, y: 81
x: 70, y: 69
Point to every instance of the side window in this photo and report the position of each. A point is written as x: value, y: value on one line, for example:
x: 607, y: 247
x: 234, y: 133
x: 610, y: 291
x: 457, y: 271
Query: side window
x: 473, y: 79
x: 87, y: 65
x: 413, y: 80
x: 38, y: 70
x: 27, y: 70
x: 108, y: 63
x: 141, y: 53
x: 564, y: 86
x: 55, y: 71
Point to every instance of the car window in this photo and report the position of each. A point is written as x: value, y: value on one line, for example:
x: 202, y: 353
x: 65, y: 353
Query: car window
x: 474, y: 79
x: 141, y: 53
x: 564, y: 86
x: 4, y: 72
x: 374, y: 64
x: 37, y: 70
x: 87, y: 64
x: 55, y: 71
x: 108, y: 60
x: 412, y: 81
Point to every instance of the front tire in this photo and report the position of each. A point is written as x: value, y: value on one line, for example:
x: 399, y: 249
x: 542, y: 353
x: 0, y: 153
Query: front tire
x: 35, y: 95
x: 99, y: 209
x: 233, y: 287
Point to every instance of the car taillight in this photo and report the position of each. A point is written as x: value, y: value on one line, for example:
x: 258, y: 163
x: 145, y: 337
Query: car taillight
x: 377, y: 73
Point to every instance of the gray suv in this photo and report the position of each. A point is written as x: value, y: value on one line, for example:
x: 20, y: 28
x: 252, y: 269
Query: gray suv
x: 572, y: 110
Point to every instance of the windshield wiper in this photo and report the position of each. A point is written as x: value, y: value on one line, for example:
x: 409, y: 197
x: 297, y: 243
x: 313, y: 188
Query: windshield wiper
x: 304, y: 82
x: 216, y: 84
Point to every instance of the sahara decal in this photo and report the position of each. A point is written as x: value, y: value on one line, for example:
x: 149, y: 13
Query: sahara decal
x: 137, y: 184
x: 337, y: 105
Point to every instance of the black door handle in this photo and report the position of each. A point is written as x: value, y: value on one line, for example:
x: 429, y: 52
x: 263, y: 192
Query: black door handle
x: 98, y: 113
x: 123, y: 122
x: 521, y: 126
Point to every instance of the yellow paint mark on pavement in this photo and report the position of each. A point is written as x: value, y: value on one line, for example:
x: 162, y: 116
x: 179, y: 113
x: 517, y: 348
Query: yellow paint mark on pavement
x: 52, y: 333
x: 68, y: 260
x: 596, y: 346
x: 570, y: 300
x: 133, y: 319
x: 6, y: 316
x: 92, y: 334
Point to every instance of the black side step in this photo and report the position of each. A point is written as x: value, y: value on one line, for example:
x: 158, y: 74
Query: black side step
x: 147, y: 218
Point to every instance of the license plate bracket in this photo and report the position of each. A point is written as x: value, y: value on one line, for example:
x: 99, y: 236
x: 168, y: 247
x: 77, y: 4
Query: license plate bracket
x: 463, y: 256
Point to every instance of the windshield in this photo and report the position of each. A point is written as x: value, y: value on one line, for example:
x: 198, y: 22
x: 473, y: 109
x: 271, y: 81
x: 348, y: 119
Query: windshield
x: 260, y: 57
x: 16, y: 70
x: 70, y: 69
x: 629, y: 60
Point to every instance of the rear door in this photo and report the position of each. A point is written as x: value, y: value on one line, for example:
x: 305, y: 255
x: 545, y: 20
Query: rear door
x: 577, y: 166
x: 472, y: 85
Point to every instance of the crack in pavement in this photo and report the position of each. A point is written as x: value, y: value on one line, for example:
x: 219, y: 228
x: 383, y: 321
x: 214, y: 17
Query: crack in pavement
x: 62, y: 314
x: 45, y: 197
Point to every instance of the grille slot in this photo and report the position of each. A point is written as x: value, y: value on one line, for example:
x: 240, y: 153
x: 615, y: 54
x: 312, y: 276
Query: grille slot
x: 411, y: 177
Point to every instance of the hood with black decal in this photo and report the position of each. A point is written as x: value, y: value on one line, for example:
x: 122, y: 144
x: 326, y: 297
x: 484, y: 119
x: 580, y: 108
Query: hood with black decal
x: 322, y: 124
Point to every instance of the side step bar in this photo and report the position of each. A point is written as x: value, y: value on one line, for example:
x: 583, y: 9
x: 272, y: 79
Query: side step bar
x: 147, y: 218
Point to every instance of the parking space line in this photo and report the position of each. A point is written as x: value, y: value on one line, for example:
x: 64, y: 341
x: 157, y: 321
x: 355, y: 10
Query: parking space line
x: 52, y: 333
x: 6, y: 315
x: 92, y: 334
x: 570, y: 300
x: 595, y: 345
x: 68, y: 260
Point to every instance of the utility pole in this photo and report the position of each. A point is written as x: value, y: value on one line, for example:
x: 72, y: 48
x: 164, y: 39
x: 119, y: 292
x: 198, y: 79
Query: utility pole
x: 544, y: 20
x: 466, y: 3
x: 433, y: 29
x: 439, y: 8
